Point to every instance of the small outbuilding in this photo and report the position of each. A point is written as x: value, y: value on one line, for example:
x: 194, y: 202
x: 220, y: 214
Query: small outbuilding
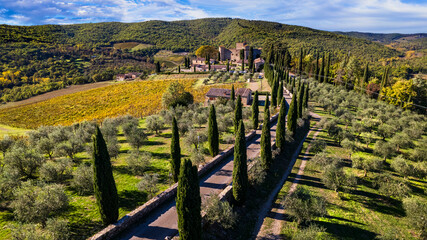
x: 215, y: 93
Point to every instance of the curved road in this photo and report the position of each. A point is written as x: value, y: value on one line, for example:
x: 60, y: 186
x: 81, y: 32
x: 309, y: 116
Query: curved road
x: 163, y: 222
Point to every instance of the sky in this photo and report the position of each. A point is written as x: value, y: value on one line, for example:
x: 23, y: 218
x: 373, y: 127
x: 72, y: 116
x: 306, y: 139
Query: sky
x: 381, y: 16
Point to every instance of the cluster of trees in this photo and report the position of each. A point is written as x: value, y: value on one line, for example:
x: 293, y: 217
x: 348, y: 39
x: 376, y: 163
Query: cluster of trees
x: 368, y: 122
x: 391, y: 84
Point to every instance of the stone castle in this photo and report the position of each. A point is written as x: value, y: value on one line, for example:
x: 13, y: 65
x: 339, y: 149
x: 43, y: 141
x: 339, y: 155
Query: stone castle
x: 233, y: 54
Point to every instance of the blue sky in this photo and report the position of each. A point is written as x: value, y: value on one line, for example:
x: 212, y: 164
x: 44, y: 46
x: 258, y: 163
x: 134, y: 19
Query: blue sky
x: 403, y: 16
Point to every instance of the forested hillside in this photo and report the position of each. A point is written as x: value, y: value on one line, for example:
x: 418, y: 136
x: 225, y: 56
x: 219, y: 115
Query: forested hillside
x: 38, y: 59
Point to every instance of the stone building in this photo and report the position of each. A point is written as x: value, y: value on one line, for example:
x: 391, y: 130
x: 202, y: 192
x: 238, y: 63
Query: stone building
x: 233, y: 54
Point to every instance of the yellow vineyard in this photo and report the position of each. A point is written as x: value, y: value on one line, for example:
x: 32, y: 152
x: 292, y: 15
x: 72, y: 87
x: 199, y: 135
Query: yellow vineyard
x: 135, y: 98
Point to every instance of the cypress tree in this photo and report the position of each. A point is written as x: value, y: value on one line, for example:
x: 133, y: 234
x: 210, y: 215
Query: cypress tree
x: 365, y: 78
x: 281, y: 126
x: 232, y: 95
x: 179, y: 69
x: 292, y: 115
x: 274, y: 92
x: 209, y: 64
x: 251, y: 58
x: 255, y: 111
x: 240, y: 168
x: 157, y: 67
x: 103, y: 181
x: 243, y: 65
x: 266, y: 103
x: 316, y: 71
x: 194, y: 68
x: 322, y: 70
x: 213, y: 135
x: 300, y: 64
x: 327, y: 68
x: 175, y: 151
x: 305, y: 101
x: 219, y: 56
x: 300, y: 100
x: 280, y: 92
x: 266, y: 155
x: 228, y: 66
x: 242, y: 54
x: 238, y: 113
x: 188, y: 203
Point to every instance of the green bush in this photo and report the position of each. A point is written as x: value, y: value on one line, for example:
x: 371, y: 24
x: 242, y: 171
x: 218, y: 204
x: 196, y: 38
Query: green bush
x: 303, y: 206
x: 138, y: 162
x: 83, y: 179
x: 56, y: 170
x: 219, y: 212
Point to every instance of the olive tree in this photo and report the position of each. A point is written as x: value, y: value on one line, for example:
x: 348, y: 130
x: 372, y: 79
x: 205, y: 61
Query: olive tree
x: 154, y: 123
x: 24, y: 159
x: 149, y: 183
x: 83, y: 179
x: 303, y: 206
x: 138, y: 162
x: 219, y: 212
x: 416, y: 212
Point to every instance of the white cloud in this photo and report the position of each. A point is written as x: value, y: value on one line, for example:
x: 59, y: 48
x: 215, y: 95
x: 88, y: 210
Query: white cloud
x: 346, y: 15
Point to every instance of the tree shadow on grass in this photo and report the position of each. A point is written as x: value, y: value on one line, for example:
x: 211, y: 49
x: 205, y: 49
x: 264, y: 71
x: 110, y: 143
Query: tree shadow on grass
x: 130, y: 199
x: 379, y: 203
x: 307, y: 180
x: 161, y: 155
x: 122, y: 169
x: 344, y: 231
x: 153, y: 143
x: 166, y: 135
x: 84, y: 228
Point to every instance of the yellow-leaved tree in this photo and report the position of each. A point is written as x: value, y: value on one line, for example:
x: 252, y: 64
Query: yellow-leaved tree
x: 400, y: 94
x: 204, y: 50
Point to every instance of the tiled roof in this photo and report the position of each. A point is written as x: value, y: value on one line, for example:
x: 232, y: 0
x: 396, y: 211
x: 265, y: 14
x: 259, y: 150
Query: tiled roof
x: 219, y: 92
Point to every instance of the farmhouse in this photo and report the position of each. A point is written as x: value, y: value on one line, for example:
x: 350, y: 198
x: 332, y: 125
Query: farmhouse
x: 127, y: 76
x: 233, y: 54
x: 215, y: 93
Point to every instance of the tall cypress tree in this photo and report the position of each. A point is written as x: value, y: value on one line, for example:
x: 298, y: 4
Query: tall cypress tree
x: 242, y: 54
x: 103, y: 181
x: 213, y: 135
x: 327, y: 68
x: 280, y: 92
x: 281, y: 126
x: 228, y: 66
x: 300, y: 100
x: 240, y: 168
x: 179, y: 69
x: 238, y: 113
x: 266, y: 103
x: 322, y: 70
x: 255, y: 111
x: 251, y: 58
x: 219, y: 56
x: 305, y: 100
x: 157, y: 67
x: 316, y: 70
x: 300, y: 64
x: 365, y: 78
x: 188, y: 203
x: 175, y: 151
x: 266, y: 155
x: 292, y: 115
x: 274, y: 92
x: 232, y: 95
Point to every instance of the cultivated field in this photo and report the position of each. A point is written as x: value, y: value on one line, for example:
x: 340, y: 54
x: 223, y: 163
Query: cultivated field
x: 139, y: 99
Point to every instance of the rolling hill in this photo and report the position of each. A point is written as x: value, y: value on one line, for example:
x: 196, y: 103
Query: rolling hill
x: 190, y: 34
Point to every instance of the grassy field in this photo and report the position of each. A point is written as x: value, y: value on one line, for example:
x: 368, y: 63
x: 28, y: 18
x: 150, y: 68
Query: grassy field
x: 11, y: 131
x: 363, y: 213
x: 140, y: 98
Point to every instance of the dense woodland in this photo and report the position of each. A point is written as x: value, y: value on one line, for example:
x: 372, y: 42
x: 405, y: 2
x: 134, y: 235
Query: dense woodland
x: 37, y: 59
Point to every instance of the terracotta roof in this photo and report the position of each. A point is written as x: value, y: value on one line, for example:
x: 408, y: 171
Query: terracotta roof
x: 219, y: 92
x: 244, y: 92
x: 225, y: 93
x: 259, y: 60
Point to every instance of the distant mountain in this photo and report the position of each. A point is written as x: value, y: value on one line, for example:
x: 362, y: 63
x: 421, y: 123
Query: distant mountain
x: 385, y: 38
x: 190, y: 34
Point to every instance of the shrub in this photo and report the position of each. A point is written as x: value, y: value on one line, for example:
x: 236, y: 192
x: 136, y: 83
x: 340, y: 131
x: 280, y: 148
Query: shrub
x: 24, y: 159
x: 219, y: 212
x: 154, y: 123
x: 368, y: 164
x: 256, y: 174
x: 55, y: 170
x: 9, y: 180
x: 317, y: 145
x: 322, y: 159
x: 138, y: 162
x: 303, y: 206
x: 228, y: 138
x: 401, y: 165
x: 148, y: 183
x: 416, y: 212
x: 83, y: 179
x: 176, y: 95
x: 57, y: 229
x: 197, y: 157
x: 391, y: 187
x: 37, y: 203
x: 336, y: 179
x: 309, y: 233
x: 27, y: 231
